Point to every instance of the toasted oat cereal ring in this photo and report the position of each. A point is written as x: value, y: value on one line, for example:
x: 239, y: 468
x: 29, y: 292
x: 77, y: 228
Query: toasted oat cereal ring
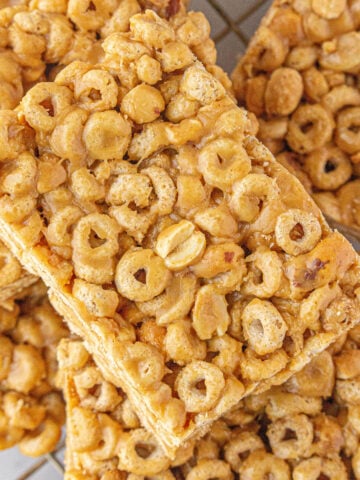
x: 264, y: 273
x: 347, y: 135
x: 310, y: 127
x: 317, y: 467
x: 283, y: 91
x: 300, y: 430
x: 250, y: 194
x: 206, y: 469
x: 199, y: 386
x: 110, y: 431
x: 270, y: 51
x: 106, y: 135
x: 223, y: 162
x: 105, y: 396
x: 96, y: 91
x: 94, y: 243
x: 328, y: 167
x: 27, y: 369
x: 264, y: 327
x: 297, y: 231
x: 139, y: 453
x: 42, y: 440
x: 257, y: 369
x: 66, y: 139
x: 346, y: 56
x: 95, y: 236
x: 58, y: 231
x: 238, y: 447
x: 141, y: 275
x: 260, y: 465
x: 43, y: 104
x: 302, y: 57
x: 145, y: 363
x: 341, y: 96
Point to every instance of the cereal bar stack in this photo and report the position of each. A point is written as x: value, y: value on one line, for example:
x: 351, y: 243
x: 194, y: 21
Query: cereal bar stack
x: 196, y: 268
x: 300, y: 76
x: 196, y: 272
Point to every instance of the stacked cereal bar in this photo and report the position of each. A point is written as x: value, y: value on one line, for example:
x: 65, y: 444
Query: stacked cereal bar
x: 305, y: 430
x: 194, y: 266
x: 300, y: 76
x: 31, y: 408
x: 39, y: 37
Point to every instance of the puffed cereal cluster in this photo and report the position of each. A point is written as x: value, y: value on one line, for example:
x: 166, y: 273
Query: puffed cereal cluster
x: 170, y: 238
x: 31, y: 407
x: 300, y: 76
x: 304, y: 430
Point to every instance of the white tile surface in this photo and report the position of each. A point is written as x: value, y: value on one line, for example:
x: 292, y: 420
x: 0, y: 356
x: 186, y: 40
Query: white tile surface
x: 12, y: 463
x: 47, y: 472
x: 229, y: 48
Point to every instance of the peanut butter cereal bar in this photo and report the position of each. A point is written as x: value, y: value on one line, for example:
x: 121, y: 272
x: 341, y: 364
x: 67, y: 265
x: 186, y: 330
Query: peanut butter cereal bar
x: 31, y: 408
x: 305, y: 430
x: 39, y: 37
x: 170, y: 238
x: 300, y: 76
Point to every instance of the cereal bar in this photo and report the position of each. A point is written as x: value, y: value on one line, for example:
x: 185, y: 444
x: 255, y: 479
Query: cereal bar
x: 194, y: 266
x: 31, y: 407
x: 39, y: 37
x: 305, y: 430
x: 300, y: 75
